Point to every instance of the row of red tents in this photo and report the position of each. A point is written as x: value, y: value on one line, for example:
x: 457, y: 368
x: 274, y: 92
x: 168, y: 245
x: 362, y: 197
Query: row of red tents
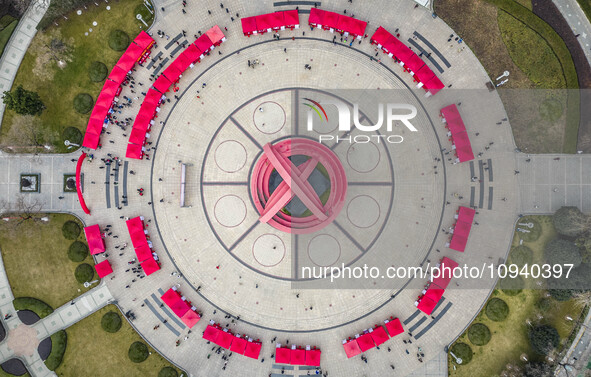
x: 412, y: 63
x: 181, y: 307
x: 372, y: 337
x: 436, y: 288
x: 297, y: 355
x: 264, y: 23
x: 235, y: 343
x: 333, y: 21
x: 459, y: 136
x: 143, y: 251
x: 137, y: 50
x: 171, y: 74
x: 461, y: 231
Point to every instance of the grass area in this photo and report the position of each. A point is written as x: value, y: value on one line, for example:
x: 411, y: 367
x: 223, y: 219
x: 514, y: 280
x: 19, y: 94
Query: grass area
x: 88, y: 335
x: 35, y: 255
x: 510, y: 337
x: 36, y: 306
x: 58, y: 86
x: 525, y: 3
x: 5, y: 34
x: 4, y: 374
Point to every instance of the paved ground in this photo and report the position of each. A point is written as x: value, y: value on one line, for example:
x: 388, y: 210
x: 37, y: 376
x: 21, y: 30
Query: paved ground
x: 577, y: 20
x: 17, y: 45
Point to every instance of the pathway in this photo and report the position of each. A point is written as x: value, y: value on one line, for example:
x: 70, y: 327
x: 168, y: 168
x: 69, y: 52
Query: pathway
x: 17, y: 45
x: 578, y: 22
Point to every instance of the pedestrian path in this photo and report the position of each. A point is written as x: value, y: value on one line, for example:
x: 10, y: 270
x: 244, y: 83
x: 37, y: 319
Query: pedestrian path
x: 578, y: 22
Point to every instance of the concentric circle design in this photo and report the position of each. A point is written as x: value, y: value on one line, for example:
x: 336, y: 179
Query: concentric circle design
x: 230, y: 211
x: 268, y: 250
x: 363, y: 211
x: 269, y: 117
x: 324, y: 250
x: 363, y: 157
x: 295, y: 183
x: 230, y: 156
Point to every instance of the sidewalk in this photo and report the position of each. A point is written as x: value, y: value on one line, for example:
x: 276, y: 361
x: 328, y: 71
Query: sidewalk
x: 577, y: 20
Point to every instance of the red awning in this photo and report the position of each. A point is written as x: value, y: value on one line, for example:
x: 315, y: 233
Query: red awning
x: 143, y: 40
x: 458, y: 243
x: 402, y: 52
x: 162, y: 84
x: 276, y: 20
x: 172, y: 72
x: 224, y: 339
x: 118, y: 74
x: 379, y: 335
x: 103, y: 269
x: 434, y: 85
x: 203, y: 43
x: 313, y: 358
x: 434, y: 293
x: 215, y: 35
x: 211, y: 333
x: 91, y: 140
x: 351, y: 348
x: 190, y: 318
x: 394, y: 327
x: 249, y: 25
x: 466, y: 214
x: 462, y: 228
x: 169, y: 297
x: 365, y: 342
x: 143, y: 252
x: 298, y: 357
x: 291, y: 18
x: 137, y: 136
x: 96, y: 244
x: 282, y: 355
x: 238, y: 345
x: 253, y: 349
x: 424, y: 74
x: 331, y: 20
x: 316, y: 17
x: 192, y: 53
x: 415, y: 63
x: 135, y: 224
x: 182, y: 62
x: 179, y: 307
x: 129, y: 57
x: 152, y: 97
x: 110, y: 88
x: 358, y: 27
x: 150, y: 266
x: 426, y: 305
x: 381, y: 36
x: 263, y: 22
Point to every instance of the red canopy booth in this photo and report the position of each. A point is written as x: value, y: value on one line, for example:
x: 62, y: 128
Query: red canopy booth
x: 143, y: 40
x: 434, y: 85
x: 91, y: 139
x: 331, y: 21
x: 445, y: 272
x: 426, y: 305
x: 351, y: 347
x: 458, y: 242
x: 96, y: 244
x: 182, y: 62
x: 129, y: 57
x: 316, y: 18
x: 434, y: 292
x: 224, y: 339
x: 291, y: 19
x: 192, y: 53
x: 169, y: 297
x: 143, y: 252
x: 150, y: 266
x: 298, y: 357
x: 179, y: 307
x: 282, y: 355
x: 172, y: 73
x: 162, y: 84
x: 137, y: 136
x: 211, y: 333
x: 380, y: 36
x: 313, y: 358
x: 215, y: 35
x: 264, y: 23
x: 203, y: 43
x: 249, y: 26
x: 365, y: 342
x: 134, y: 151
x: 394, y: 327
x: 276, y: 21
x: 253, y: 350
x: 357, y: 28
x: 118, y: 74
x: 103, y: 269
x: 110, y: 88
x: 238, y: 345
x: 379, y: 335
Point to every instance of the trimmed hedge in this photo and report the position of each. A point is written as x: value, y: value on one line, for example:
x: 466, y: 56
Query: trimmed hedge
x: 118, y: 40
x: 111, y: 322
x: 59, y: 341
x: 84, y: 272
x: 521, y: 255
x: 73, y: 135
x: 71, y: 230
x: 168, y: 372
x: 463, y: 351
x: 479, y: 334
x: 83, y: 103
x: 138, y: 352
x: 497, y: 310
x: 29, y: 303
x: 78, y: 251
x: 543, y: 339
x: 97, y: 71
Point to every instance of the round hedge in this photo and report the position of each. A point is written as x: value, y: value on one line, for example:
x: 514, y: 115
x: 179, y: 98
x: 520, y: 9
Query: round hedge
x: 97, y: 71
x: 138, y: 352
x: 534, y: 233
x: 168, y: 372
x: 118, y: 40
x: 479, y: 334
x: 78, y: 251
x: 497, y: 310
x: 543, y: 339
x: 521, y: 255
x: 512, y: 286
x: 83, y: 103
x: 463, y: 351
x: 84, y: 272
x: 111, y: 322
x: 72, y: 134
x: 70, y: 230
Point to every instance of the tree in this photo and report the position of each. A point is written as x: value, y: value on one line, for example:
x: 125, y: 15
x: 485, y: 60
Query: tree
x: 562, y: 252
x: 27, y: 131
x: 51, y: 50
x: 570, y: 221
x: 27, y: 210
x: 543, y: 339
x: 537, y: 369
x: 23, y: 102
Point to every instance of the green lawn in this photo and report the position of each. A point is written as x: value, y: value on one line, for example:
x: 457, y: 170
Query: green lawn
x: 105, y: 354
x: 5, y: 34
x: 59, y: 91
x: 510, y: 337
x: 36, y: 259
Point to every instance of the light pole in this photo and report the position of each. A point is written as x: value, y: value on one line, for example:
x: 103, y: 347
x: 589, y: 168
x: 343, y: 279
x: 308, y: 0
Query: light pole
x: 457, y: 359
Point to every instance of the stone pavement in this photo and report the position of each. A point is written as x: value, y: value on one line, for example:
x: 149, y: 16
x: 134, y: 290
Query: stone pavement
x: 578, y: 22
x: 17, y: 45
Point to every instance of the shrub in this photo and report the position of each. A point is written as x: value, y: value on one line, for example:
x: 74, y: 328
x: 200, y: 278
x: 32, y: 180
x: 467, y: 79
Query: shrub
x: 543, y: 339
x: 463, y: 351
x: 59, y: 340
x: 111, y: 322
x: 168, y: 372
x: 543, y: 304
x: 118, y: 40
x: 78, y: 251
x: 138, y: 352
x: 521, y: 255
x: 569, y: 221
x: 29, y: 303
x: 561, y: 294
x: 72, y: 134
x: 97, y: 71
x: 497, y: 310
x: 83, y: 103
x: 479, y: 334
x: 84, y: 272
x: 71, y: 230
x: 562, y: 251
x: 512, y: 286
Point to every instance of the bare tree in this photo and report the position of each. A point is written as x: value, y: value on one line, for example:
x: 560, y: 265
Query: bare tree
x: 582, y: 299
x: 27, y: 131
x: 27, y: 210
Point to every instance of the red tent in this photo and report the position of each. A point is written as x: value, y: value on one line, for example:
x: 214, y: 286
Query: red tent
x: 91, y: 140
x: 466, y: 214
x: 352, y: 347
x: 462, y: 228
x: 143, y: 40
x: 182, y: 62
x: 313, y: 358
x: 253, y: 349
x: 118, y: 74
x: 238, y: 345
x: 169, y: 297
x: 264, y: 22
x: 179, y: 307
x: 282, y: 355
x: 137, y: 239
x: 78, y: 180
x: 331, y: 20
x: 402, y: 52
x: 424, y: 74
x: 446, y: 272
x: 224, y: 339
x: 103, y: 269
x: 298, y: 357
x: 365, y: 342
x: 316, y: 17
x: 142, y: 121
x: 215, y: 35
x: 172, y: 72
x: 344, y: 23
x: 192, y: 53
x: 358, y: 27
x: 211, y: 333
x: 110, y: 87
x: 129, y: 57
x: 137, y: 136
x: 162, y: 84
x: 103, y: 104
x: 394, y: 327
x: 465, y: 153
x: 249, y: 25
x: 434, y: 293
x: 276, y: 20
x: 291, y: 18
x: 135, y: 224
x: 190, y: 318
x: 426, y: 305
x: 203, y: 43
x: 143, y: 252
x: 434, y: 85
x: 458, y: 243
x: 152, y: 97
x: 381, y: 36
x: 150, y: 266
x: 415, y: 63
x: 96, y: 244
x: 379, y: 335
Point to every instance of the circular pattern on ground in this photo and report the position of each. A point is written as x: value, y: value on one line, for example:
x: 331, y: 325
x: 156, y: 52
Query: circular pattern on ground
x: 324, y: 250
x: 363, y: 211
x: 268, y: 250
x: 363, y: 157
x: 230, y: 211
x: 230, y: 156
x: 269, y: 117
